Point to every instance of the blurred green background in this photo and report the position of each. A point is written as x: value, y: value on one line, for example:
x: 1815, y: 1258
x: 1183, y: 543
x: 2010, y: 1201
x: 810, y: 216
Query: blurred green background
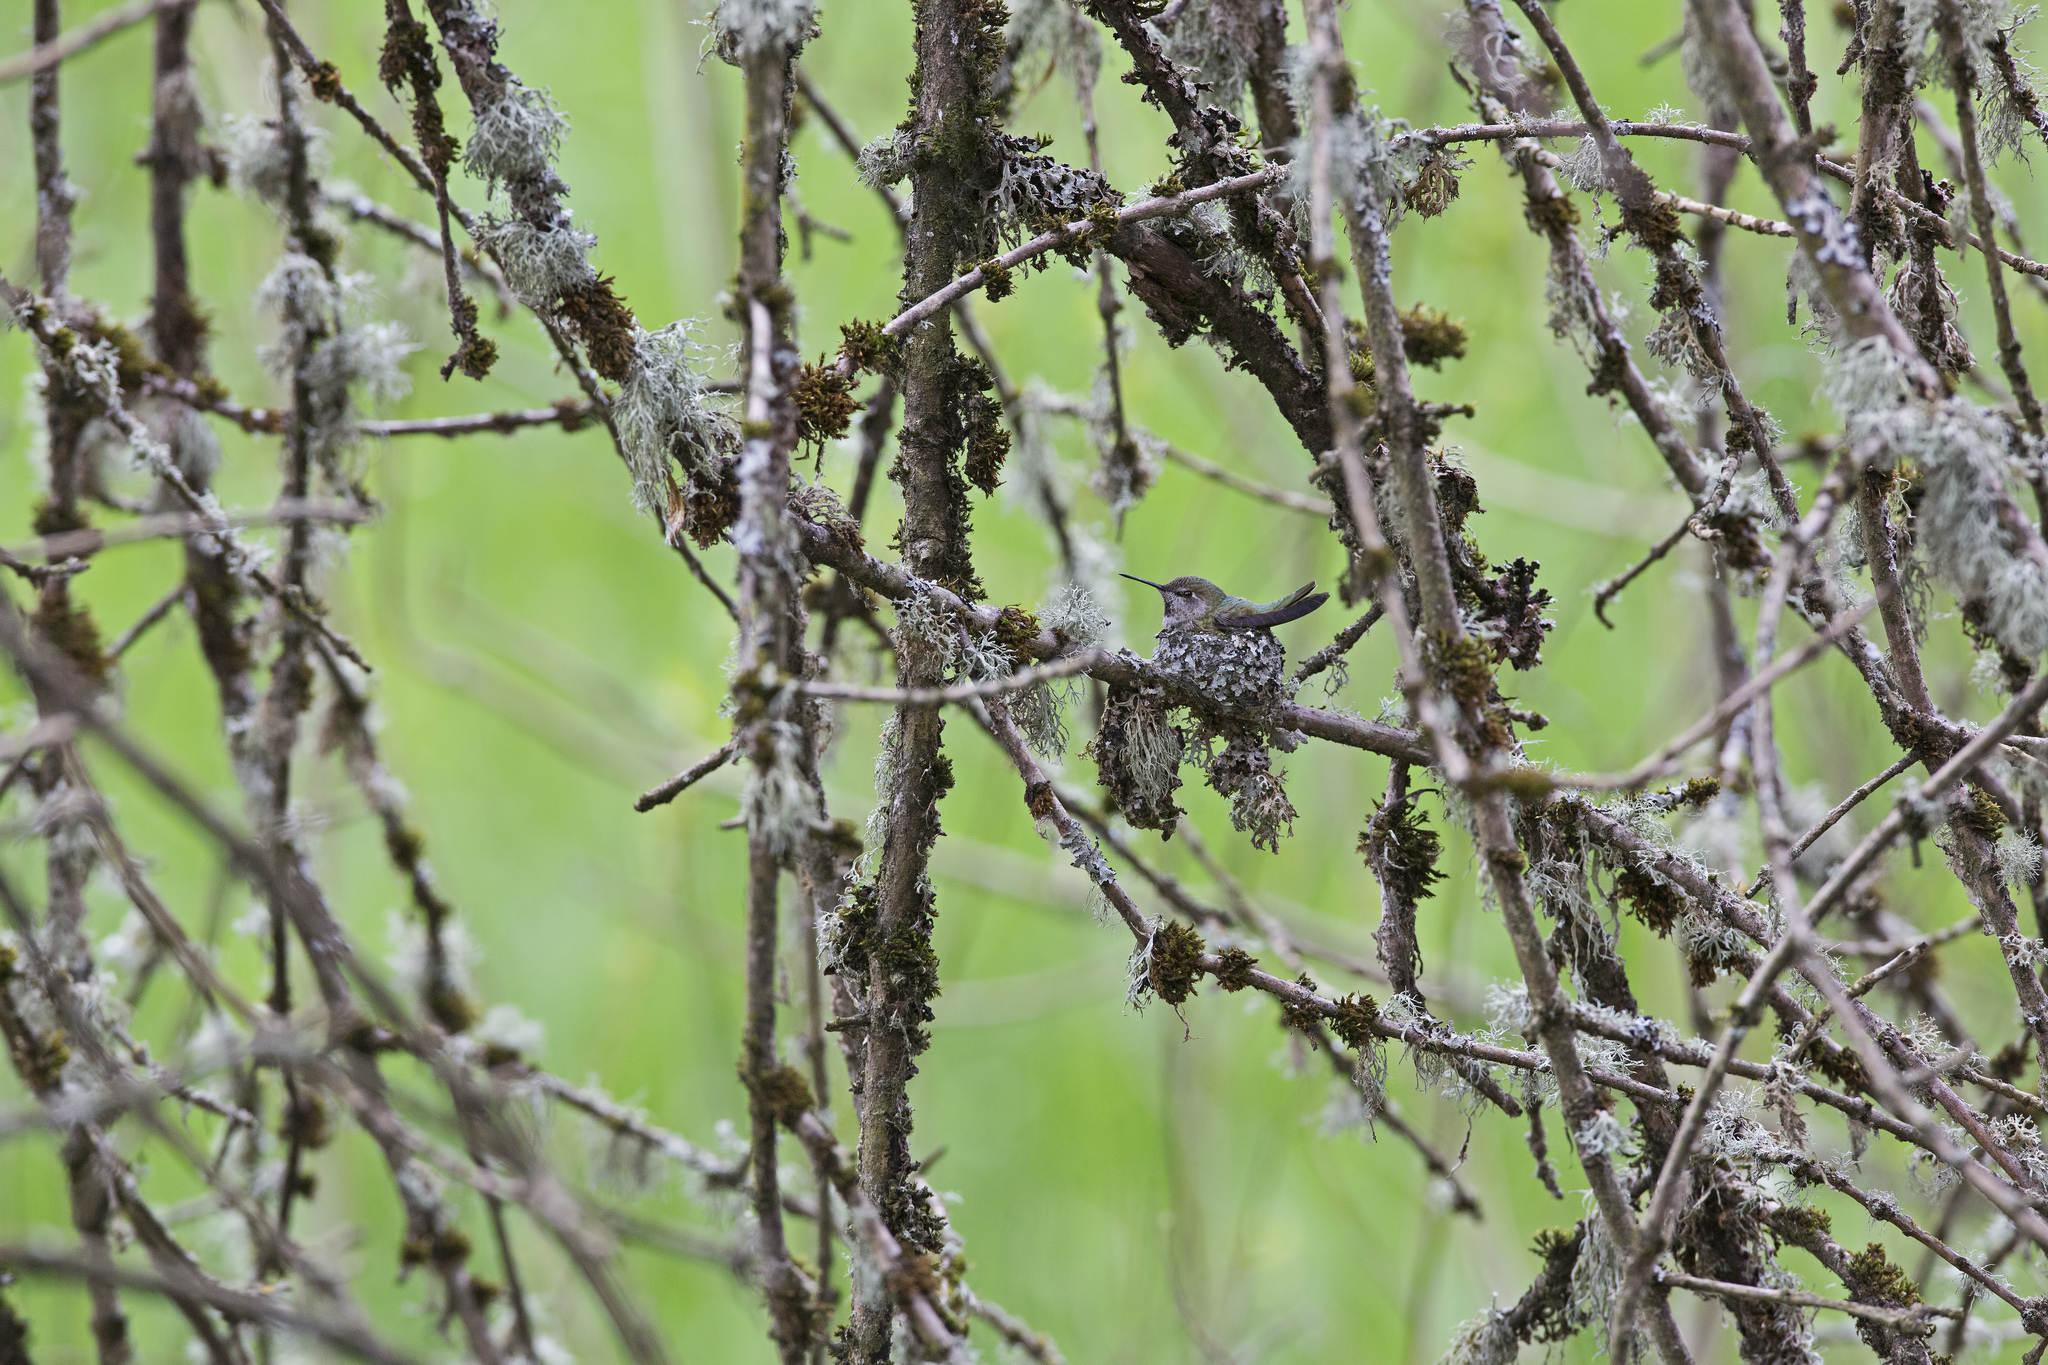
x: 1140, y: 1193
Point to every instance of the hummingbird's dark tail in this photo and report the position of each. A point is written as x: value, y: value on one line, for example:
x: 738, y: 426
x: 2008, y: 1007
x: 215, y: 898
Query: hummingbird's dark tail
x: 1294, y: 611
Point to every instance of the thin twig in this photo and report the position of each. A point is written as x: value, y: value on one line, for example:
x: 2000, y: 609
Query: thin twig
x: 176, y: 525
x: 687, y: 778
x: 569, y: 414
x: 161, y: 608
x: 1611, y: 589
x: 89, y: 34
x: 1834, y: 817
x: 1799, y: 1298
x: 348, y: 1338
x: 929, y: 697
x: 1081, y: 229
x: 1282, y: 497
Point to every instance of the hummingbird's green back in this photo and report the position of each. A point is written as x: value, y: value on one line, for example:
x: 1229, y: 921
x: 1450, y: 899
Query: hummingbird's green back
x: 1195, y: 602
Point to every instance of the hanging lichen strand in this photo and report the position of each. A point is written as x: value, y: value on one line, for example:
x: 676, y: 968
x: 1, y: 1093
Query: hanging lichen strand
x: 1270, y: 237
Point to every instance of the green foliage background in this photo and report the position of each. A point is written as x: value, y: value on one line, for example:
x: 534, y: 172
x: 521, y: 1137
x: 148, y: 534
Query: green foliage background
x: 1141, y: 1191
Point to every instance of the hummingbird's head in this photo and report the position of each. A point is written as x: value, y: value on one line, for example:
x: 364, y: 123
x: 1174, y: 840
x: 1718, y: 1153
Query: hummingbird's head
x: 1188, y: 599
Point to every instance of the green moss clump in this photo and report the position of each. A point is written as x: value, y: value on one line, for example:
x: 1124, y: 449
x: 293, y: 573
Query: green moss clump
x: 988, y: 442
x: 852, y: 929
x: 1234, y: 972
x: 1356, y: 1016
x: 1102, y: 219
x: 1872, y: 1278
x: 786, y: 1093
x: 305, y: 1121
x: 1435, y: 185
x: 1552, y: 1316
x: 446, y: 1247
x: 1843, y: 1067
x: 997, y: 280
x: 1557, y: 214
x: 1302, y: 1015
x: 711, y: 504
x: 1698, y: 791
x: 1802, y: 1224
x: 824, y: 403
x: 1655, y: 225
x: 1429, y: 337
x: 912, y: 964
x: 41, y: 1058
x: 1176, y: 962
x: 70, y: 630
x: 452, y: 1008
x: 1658, y: 904
x: 605, y: 324
x: 869, y: 348
x: 56, y: 519
x: 1016, y: 628
x: 1403, y: 851
x: 1980, y: 815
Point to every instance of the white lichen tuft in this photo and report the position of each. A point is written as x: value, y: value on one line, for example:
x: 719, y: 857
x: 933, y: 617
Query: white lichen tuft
x: 258, y: 163
x: 662, y: 415
x: 338, y: 356
x: 1488, y: 1339
x: 1823, y: 326
x: 368, y: 356
x: 1049, y: 37
x: 888, y: 779
x: 1596, y: 1278
x: 1923, y: 26
x: 408, y: 957
x: 1369, y: 1075
x: 1676, y: 341
x: 1601, y: 1135
x: 515, y: 138
x: 1583, y: 168
x: 193, y: 446
x: 1370, y: 159
x: 885, y: 161
x: 922, y: 621
x: 1507, y: 1006
x: 1927, y: 297
x: 1703, y: 76
x: 1139, y: 737
x: 1346, y: 1111
x: 131, y: 945
x: 1218, y: 40
x: 777, y: 801
x: 748, y: 28
x: 1074, y: 613
x: 1040, y: 713
x: 2019, y: 857
x: 540, y: 264
x: 1964, y: 454
x: 1138, y: 971
x: 505, y: 1028
x: 2004, y: 126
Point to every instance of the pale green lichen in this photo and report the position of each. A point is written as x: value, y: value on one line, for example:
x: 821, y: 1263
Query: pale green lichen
x: 1968, y: 529
x: 515, y: 138
x: 778, y: 803
x: 663, y: 414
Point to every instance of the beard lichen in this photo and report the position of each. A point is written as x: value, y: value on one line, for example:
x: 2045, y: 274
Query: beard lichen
x: 1137, y: 751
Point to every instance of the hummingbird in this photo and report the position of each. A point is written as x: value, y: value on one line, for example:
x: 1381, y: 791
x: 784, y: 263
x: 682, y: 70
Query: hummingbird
x: 1199, y: 604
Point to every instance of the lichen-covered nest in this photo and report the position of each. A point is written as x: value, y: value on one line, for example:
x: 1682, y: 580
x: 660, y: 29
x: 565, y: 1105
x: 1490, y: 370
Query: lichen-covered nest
x: 1237, y: 668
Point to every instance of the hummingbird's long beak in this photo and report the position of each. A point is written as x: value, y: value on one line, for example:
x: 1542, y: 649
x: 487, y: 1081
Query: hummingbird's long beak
x: 1135, y: 579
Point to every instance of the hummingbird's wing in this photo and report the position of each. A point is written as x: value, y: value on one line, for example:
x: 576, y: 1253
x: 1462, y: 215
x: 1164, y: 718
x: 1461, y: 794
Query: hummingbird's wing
x: 1290, y: 608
